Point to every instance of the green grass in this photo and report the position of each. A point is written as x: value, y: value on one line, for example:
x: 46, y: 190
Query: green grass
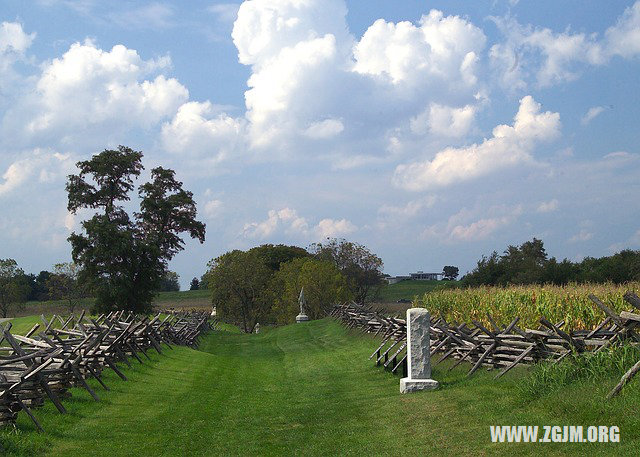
x: 409, y: 289
x: 21, y: 325
x: 309, y: 389
x: 184, y: 298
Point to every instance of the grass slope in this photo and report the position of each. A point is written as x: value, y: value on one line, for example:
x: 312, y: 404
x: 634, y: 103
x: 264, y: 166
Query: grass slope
x: 408, y: 290
x: 309, y: 390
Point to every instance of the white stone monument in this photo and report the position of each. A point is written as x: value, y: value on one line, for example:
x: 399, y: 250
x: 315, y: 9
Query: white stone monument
x: 302, y: 317
x: 256, y: 329
x: 418, y: 353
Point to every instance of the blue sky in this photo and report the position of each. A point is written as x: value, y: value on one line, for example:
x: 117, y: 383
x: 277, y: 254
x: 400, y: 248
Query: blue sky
x: 432, y: 132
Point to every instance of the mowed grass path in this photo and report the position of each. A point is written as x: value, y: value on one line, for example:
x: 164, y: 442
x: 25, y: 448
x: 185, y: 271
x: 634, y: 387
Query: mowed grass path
x: 306, y: 390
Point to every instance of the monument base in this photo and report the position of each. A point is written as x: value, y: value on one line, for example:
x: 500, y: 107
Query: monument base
x: 408, y: 385
x: 302, y: 318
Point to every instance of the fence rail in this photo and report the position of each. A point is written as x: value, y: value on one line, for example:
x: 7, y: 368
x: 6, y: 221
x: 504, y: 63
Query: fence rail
x: 500, y: 347
x: 68, y: 351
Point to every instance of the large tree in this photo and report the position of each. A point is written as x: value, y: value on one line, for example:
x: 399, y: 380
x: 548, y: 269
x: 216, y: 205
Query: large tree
x: 238, y: 281
x: 361, y: 268
x: 123, y: 258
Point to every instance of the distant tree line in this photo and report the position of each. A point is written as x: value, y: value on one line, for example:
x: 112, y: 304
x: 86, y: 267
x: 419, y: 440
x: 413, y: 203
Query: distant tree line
x: 263, y: 284
x: 62, y: 284
x: 530, y: 264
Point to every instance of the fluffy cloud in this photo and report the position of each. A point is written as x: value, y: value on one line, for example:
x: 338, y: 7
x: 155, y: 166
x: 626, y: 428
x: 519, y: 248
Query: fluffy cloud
x: 553, y: 58
x: 286, y: 217
x: 289, y: 222
x: 509, y: 146
x: 623, y: 39
x: 92, y: 90
x: 264, y: 28
x: 444, y: 121
x: 34, y: 166
x: 305, y: 64
x: 14, y: 43
x: 198, y: 131
x: 330, y: 228
x: 444, y: 48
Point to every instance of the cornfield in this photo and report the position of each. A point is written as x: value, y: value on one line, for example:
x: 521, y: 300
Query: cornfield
x: 570, y: 303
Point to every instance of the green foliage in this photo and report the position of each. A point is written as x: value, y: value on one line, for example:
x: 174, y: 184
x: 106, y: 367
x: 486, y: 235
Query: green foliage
x: 361, y: 268
x: 238, y: 282
x: 274, y: 256
x: 323, y: 284
x: 569, y: 303
x: 263, y: 285
x: 194, y: 284
x: 529, y: 264
x: 13, y: 289
x: 170, y: 282
x: 123, y: 260
x: 64, y: 284
x: 592, y: 367
x: 450, y: 273
x: 37, y: 285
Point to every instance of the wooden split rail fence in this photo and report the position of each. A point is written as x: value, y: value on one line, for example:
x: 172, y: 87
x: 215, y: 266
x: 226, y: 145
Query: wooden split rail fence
x: 66, y: 352
x: 500, y: 347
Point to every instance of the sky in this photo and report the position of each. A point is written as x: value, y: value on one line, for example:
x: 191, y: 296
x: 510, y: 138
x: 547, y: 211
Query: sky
x: 432, y: 132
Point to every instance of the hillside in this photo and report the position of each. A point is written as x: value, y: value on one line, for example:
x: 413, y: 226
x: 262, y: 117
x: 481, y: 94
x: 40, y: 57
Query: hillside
x: 310, y: 390
x: 408, y: 290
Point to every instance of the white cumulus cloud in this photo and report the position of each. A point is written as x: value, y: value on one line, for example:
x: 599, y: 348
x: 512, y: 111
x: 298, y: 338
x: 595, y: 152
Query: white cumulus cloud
x: 330, y: 228
x: 440, y: 47
x: 101, y: 91
x: 286, y: 219
x: 44, y: 165
x: 198, y: 131
x: 315, y: 89
x: 510, y: 145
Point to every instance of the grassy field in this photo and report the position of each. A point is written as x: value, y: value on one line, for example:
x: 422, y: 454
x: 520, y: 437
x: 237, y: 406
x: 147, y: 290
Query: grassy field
x: 309, y: 390
x: 185, y: 298
x: 408, y: 290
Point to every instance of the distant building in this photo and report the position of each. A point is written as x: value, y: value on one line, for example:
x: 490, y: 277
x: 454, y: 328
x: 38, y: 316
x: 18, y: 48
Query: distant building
x: 419, y: 276
x: 422, y: 276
